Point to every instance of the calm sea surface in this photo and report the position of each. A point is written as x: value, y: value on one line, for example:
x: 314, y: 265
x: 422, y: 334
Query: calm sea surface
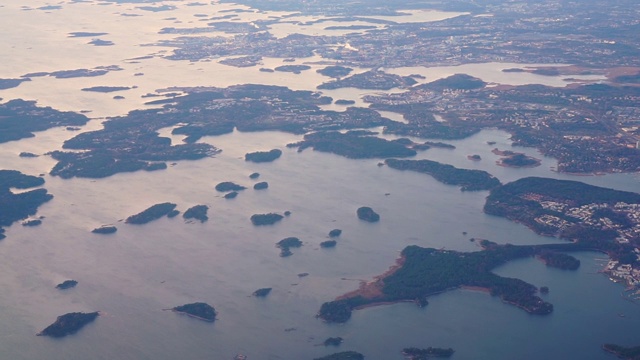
x: 134, y: 274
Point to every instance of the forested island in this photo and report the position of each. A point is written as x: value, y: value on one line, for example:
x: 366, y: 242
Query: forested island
x: 332, y: 341
x: 68, y: 324
x: 19, y: 206
x: 263, y: 292
x: 296, y: 69
x: 198, y: 212
x: 263, y: 156
x: 198, y: 310
x: 413, y: 353
x: 106, y: 89
x: 261, y: 185
x: 335, y: 71
x: 286, y: 244
x: 328, y: 244
x: 154, y: 212
x: 105, y: 229
x: 422, y: 272
x: 367, y: 214
x: 67, y: 284
x: 335, y: 233
x: 515, y: 159
x: 353, y: 145
x: 345, y: 355
x: 265, y: 219
x: 373, y: 79
x: 468, y: 180
x: 229, y: 186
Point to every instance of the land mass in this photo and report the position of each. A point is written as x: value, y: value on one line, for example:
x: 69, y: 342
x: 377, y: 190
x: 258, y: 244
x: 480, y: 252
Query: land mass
x: 602, y: 219
x: 19, y: 206
x: 265, y: 219
x: 154, y: 212
x: 198, y: 310
x: 68, y: 324
x: 373, y: 79
x: 198, y: 212
x: 353, y: 145
x: 344, y: 355
x: 423, y: 272
x: 413, y: 353
x: 286, y: 244
x: 468, y: 180
x: 19, y: 119
x: 263, y: 156
x: 367, y: 214
x: 627, y: 353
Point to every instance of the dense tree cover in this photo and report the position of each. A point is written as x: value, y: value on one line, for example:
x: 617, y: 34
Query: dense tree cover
x: 354, y: 146
x: 519, y: 160
x: 576, y: 192
x: 263, y: 156
x: 423, y: 354
x: 335, y: 71
x: 425, y: 272
x: 559, y: 260
x: 198, y: 212
x: 261, y: 185
x: 14, y: 207
x: 286, y: 244
x: 229, y: 186
x: 468, y: 180
x: 455, y: 82
x: 335, y: 233
x: 154, y: 212
x: 67, y: 284
x: 131, y: 142
x: 20, y: 118
x: 328, y: 244
x: 617, y: 218
x: 199, y: 310
x: 367, y: 214
x: 333, y: 341
x: 514, y: 201
x: 345, y: 355
x: 262, y: 292
x: 68, y: 324
x: 372, y: 79
x: 265, y: 219
x: 627, y: 353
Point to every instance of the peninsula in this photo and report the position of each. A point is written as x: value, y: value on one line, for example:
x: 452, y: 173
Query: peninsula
x: 468, y: 180
x: 598, y: 218
x: 353, y: 145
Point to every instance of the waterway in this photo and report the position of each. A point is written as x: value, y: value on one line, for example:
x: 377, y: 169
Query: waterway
x: 134, y: 274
